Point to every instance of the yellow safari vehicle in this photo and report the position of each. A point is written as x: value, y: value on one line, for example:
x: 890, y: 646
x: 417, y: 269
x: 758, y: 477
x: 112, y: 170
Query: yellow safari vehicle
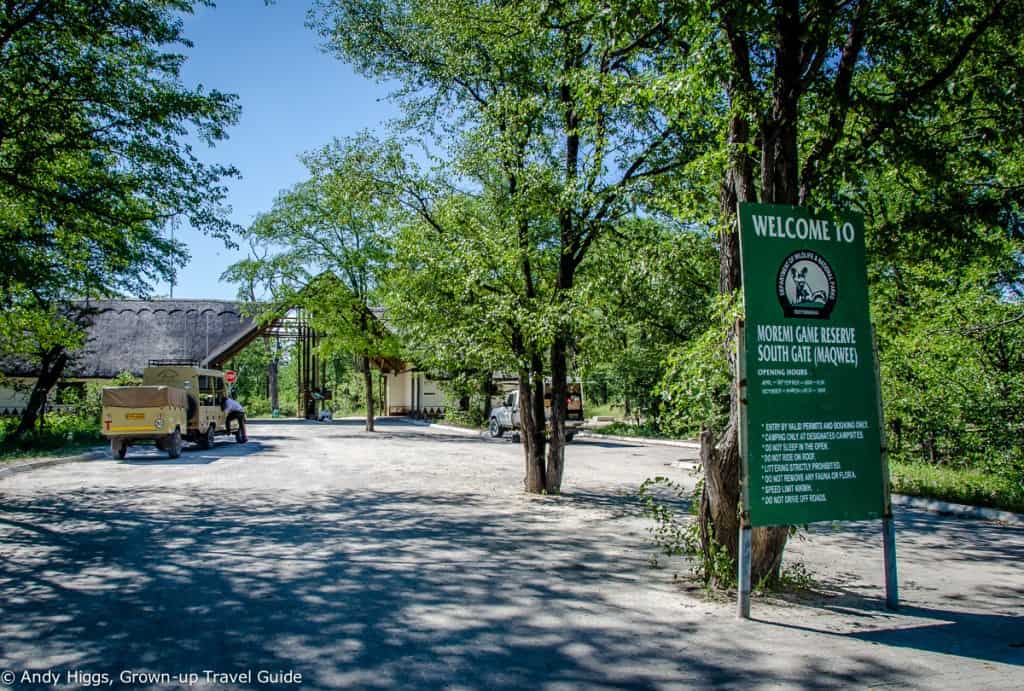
x: 177, y: 402
x: 137, y: 413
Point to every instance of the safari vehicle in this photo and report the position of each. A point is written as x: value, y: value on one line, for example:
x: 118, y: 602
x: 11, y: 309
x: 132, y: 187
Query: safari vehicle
x: 194, y: 412
x: 137, y: 413
x: 506, y: 416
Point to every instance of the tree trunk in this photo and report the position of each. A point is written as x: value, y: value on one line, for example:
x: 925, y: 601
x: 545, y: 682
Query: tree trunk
x: 720, y: 506
x: 571, y: 239
x: 532, y: 426
x: 779, y: 167
x: 559, y: 409
x: 272, y: 384
x: 368, y: 383
x: 51, y: 368
x: 485, y: 389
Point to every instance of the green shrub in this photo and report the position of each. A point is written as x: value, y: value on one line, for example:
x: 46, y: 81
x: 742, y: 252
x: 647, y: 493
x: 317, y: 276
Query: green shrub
x: 474, y: 417
x: 959, y: 485
x: 696, y: 384
x: 626, y: 429
x: 676, y: 533
x: 62, y: 432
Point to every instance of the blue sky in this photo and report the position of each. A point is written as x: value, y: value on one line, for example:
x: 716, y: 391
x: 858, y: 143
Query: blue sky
x: 294, y: 98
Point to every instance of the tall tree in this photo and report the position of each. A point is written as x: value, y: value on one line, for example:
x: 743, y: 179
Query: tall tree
x: 326, y: 248
x: 549, y: 109
x: 648, y: 287
x: 450, y: 302
x: 93, y: 158
x: 818, y: 93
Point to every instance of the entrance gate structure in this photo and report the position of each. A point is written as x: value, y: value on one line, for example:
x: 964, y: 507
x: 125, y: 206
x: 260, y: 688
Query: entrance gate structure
x: 311, y: 370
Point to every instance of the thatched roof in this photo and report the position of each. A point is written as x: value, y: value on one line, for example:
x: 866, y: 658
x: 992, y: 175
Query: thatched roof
x: 127, y: 334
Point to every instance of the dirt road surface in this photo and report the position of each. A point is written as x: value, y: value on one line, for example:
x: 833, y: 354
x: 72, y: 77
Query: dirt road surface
x: 410, y: 558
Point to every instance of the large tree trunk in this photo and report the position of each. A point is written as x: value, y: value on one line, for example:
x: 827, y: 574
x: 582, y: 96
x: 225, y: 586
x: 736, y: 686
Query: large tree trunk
x: 780, y: 179
x: 720, y: 505
x: 779, y: 167
x: 720, y: 457
x: 51, y: 368
x: 570, y: 241
x: 531, y: 423
x: 778, y: 140
x: 559, y: 368
x: 559, y: 409
x: 368, y: 383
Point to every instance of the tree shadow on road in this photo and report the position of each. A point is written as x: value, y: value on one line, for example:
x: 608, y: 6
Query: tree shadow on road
x: 148, y: 455
x: 368, y: 589
x: 980, y: 636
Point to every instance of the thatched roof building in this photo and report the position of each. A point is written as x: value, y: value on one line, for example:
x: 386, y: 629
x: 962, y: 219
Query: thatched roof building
x: 127, y: 334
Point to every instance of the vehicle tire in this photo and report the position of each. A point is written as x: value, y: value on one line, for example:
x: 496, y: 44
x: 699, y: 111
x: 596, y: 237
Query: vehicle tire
x: 118, y: 448
x: 239, y: 437
x: 174, y: 444
x: 207, y: 440
x: 569, y: 437
x: 494, y: 428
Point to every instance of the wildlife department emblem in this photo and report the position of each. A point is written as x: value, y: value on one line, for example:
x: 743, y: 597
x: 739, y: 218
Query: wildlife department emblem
x: 806, y: 286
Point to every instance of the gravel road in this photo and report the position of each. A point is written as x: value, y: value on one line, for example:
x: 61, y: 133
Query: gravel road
x: 410, y: 558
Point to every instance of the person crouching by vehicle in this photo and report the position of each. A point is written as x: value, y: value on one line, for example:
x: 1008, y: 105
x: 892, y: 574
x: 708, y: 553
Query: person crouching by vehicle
x: 235, y: 412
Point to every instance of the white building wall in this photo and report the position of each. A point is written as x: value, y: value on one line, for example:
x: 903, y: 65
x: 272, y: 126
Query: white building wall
x: 430, y: 396
x: 399, y: 393
x: 12, y: 401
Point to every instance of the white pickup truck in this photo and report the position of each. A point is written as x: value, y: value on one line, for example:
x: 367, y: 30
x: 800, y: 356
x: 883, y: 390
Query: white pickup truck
x: 505, y: 418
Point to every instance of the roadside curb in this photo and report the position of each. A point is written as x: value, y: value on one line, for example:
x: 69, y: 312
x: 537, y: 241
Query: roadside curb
x: 15, y: 467
x: 945, y: 508
x: 682, y: 443
x: 935, y: 506
x: 447, y: 428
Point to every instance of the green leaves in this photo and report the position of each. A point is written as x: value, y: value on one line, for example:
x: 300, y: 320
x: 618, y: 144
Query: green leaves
x: 94, y: 165
x: 326, y: 247
x: 560, y: 131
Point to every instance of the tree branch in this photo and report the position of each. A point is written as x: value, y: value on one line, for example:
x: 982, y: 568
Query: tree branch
x: 840, y: 101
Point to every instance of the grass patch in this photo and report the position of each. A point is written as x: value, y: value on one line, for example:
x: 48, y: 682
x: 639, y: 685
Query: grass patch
x: 958, y: 485
x: 602, y: 410
x: 470, y: 419
x: 627, y: 429
x: 64, y: 435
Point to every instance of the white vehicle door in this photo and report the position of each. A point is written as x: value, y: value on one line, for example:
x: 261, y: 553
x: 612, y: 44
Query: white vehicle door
x: 504, y: 413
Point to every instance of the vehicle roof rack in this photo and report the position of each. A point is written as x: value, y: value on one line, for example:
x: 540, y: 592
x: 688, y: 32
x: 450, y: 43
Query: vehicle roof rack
x: 173, y: 363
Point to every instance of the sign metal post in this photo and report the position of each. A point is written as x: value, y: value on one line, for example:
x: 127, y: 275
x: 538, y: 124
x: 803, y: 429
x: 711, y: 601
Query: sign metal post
x: 743, y: 577
x: 892, y: 596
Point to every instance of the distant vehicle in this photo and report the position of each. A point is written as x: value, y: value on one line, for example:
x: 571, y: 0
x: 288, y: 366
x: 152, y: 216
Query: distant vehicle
x: 506, y: 418
x: 177, y: 402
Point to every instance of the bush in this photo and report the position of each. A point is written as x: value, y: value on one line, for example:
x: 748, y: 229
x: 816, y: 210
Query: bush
x: 626, y: 429
x: 696, y: 384
x: 63, y: 431
x: 952, y: 388
x: 676, y: 531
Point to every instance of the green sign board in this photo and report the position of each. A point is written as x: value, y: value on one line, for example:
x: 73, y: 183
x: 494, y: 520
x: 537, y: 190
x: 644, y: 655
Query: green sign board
x: 811, y: 438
